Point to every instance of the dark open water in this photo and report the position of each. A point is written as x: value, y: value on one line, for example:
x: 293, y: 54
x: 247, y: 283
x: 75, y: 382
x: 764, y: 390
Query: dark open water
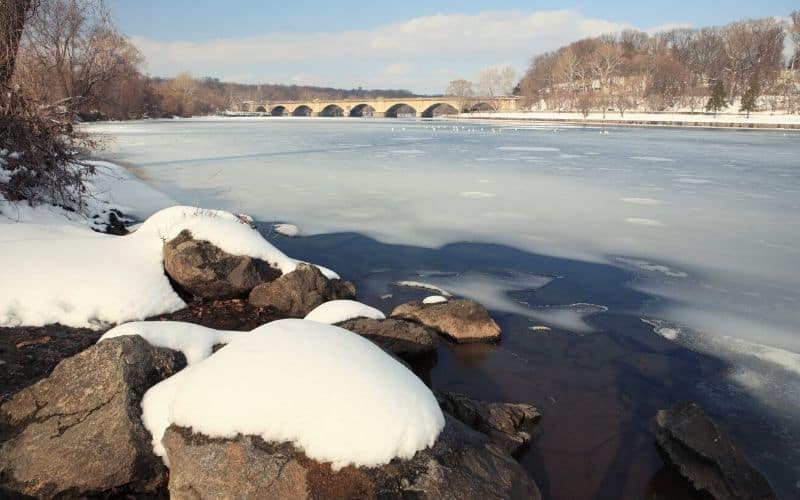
x: 598, y: 391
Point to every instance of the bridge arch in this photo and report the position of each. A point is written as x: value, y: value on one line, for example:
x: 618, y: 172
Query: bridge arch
x: 279, y: 111
x: 302, y: 110
x: 439, y: 109
x: 482, y: 106
x: 401, y: 110
x: 362, y: 110
x: 332, y: 110
x: 261, y: 109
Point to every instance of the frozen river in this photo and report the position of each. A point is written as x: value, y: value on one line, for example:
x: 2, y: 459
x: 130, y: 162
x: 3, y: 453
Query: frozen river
x: 703, y: 223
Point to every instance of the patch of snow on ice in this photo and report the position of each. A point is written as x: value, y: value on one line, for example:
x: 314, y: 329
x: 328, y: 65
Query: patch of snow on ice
x: 639, y: 221
x: 476, y: 194
x: 337, y: 311
x: 332, y: 393
x: 658, y: 159
x: 648, y: 266
x: 434, y: 299
x: 492, y: 292
x: 663, y: 328
x: 426, y: 286
x: 642, y: 201
x: 194, y: 341
x: 286, y: 229
x: 693, y: 180
x: 527, y: 148
x: 569, y: 317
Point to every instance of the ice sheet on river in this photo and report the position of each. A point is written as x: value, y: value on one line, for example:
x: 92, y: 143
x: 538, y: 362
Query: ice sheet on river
x: 726, y: 211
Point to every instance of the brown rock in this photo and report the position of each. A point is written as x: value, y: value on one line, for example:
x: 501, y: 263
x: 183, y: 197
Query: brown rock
x: 460, y: 320
x: 403, y: 338
x: 461, y: 464
x: 705, y: 455
x: 508, y: 425
x: 203, y: 270
x: 79, y: 431
x: 297, y: 293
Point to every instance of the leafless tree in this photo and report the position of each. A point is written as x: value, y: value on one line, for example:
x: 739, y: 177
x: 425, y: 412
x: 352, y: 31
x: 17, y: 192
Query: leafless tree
x: 495, y: 81
x: 604, y: 62
x: 461, y: 89
x: 13, y: 15
x: 794, y: 36
x: 71, y: 49
x: 43, y: 162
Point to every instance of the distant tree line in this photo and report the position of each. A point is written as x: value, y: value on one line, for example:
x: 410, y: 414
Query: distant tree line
x: 72, y: 55
x: 689, y: 69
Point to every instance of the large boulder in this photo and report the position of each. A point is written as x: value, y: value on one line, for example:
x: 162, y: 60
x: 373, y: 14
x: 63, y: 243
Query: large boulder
x: 297, y: 293
x: 403, y: 338
x: 79, y: 431
x: 460, y: 320
x: 461, y: 464
x: 705, y: 455
x: 203, y: 270
x: 508, y: 425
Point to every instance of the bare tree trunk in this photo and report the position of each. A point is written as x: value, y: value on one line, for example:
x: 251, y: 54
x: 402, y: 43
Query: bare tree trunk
x: 12, y: 20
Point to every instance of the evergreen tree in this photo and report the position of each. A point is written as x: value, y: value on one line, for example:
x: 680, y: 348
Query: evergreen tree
x: 718, y: 99
x: 750, y: 97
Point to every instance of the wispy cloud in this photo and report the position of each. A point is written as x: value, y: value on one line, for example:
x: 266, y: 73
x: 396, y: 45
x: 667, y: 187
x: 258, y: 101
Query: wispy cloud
x: 421, y: 53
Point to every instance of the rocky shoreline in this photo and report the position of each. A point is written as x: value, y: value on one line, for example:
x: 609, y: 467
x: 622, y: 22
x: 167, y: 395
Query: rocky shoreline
x: 71, y: 418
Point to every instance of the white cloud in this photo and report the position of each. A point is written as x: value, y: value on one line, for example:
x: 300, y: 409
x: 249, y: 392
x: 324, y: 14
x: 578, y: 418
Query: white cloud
x: 442, y: 47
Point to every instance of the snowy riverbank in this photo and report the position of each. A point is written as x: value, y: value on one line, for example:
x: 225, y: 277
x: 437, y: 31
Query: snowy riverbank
x: 720, y: 120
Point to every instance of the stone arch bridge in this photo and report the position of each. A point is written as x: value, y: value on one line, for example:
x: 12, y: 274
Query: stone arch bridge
x: 424, y: 107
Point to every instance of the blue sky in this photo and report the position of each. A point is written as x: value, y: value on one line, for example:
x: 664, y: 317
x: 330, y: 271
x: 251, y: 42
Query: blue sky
x: 412, y: 44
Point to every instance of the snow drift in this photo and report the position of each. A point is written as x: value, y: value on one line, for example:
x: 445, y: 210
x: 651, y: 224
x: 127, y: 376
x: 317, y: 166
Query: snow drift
x: 65, y: 273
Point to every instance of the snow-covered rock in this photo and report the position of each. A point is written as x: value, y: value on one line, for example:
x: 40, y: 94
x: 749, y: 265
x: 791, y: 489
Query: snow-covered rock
x: 229, y: 232
x: 337, y: 311
x: 463, y: 463
x: 335, y: 395
x: 202, y: 269
x: 434, y: 299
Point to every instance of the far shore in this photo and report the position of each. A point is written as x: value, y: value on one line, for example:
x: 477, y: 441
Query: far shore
x: 705, y: 120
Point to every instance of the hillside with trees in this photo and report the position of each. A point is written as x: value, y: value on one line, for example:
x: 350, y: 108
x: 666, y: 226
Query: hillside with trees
x: 72, y: 55
x: 740, y: 65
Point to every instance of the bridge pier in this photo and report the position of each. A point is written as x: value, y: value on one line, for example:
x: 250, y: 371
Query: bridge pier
x: 378, y: 114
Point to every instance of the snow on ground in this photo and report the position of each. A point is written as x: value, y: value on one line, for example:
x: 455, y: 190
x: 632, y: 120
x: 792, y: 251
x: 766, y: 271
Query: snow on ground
x: 112, y: 187
x: 331, y: 392
x: 65, y: 273
x: 336, y: 311
x: 194, y: 341
x: 701, y: 118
